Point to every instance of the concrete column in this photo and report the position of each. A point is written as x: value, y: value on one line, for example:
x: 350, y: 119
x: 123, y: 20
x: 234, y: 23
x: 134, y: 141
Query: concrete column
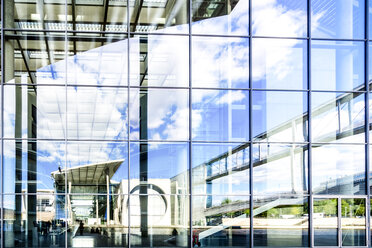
x: 143, y: 170
x: 108, y: 198
x: 97, y: 210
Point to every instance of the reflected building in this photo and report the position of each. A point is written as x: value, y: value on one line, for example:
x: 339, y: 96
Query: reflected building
x: 171, y: 123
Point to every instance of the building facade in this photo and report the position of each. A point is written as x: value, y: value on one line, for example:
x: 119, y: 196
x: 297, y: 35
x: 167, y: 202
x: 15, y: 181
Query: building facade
x: 185, y: 123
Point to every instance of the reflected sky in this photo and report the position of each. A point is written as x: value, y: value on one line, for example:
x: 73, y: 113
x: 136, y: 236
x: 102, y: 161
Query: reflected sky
x: 101, y: 113
x: 278, y: 18
x: 337, y: 19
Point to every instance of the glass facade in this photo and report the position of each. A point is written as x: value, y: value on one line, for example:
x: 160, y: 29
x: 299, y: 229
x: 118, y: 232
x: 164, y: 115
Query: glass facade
x: 174, y: 123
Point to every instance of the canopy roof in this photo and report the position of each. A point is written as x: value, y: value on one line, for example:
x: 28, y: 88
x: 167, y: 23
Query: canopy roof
x: 87, y: 174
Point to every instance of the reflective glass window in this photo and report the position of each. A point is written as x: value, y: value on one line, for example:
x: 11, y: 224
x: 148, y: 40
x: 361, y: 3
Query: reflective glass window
x: 34, y: 58
x: 34, y: 112
x: 279, y: 64
x: 220, y: 115
x: 220, y: 62
x: 281, y: 221
x: 159, y: 114
x: 279, y: 116
x: 42, y: 215
x: 35, y: 15
x: 337, y: 19
x: 96, y: 61
x: 338, y: 117
x: 159, y: 168
x: 279, y: 18
x: 353, y: 222
x: 220, y: 168
x: 220, y: 17
x: 29, y: 166
x: 370, y: 65
x: 159, y: 220
x: 279, y: 168
x: 158, y: 16
x: 97, y: 113
x: 325, y: 222
x: 220, y: 221
x: 338, y: 169
x: 96, y: 16
x: 90, y: 214
x: 159, y: 60
x: 337, y: 65
x: 95, y: 167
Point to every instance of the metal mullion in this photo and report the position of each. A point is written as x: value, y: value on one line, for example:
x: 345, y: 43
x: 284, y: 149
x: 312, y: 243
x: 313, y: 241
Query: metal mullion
x: 34, y: 30
x: 66, y: 121
x: 221, y: 35
x: 189, y: 4
x: 251, y: 239
x: 279, y: 37
x: 339, y: 216
x: 281, y: 90
x: 337, y: 39
x: 309, y: 138
x: 367, y: 124
x: 2, y: 128
x: 128, y: 121
x: 165, y: 34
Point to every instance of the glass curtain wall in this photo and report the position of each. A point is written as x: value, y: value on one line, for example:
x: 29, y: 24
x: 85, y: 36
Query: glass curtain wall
x: 174, y: 123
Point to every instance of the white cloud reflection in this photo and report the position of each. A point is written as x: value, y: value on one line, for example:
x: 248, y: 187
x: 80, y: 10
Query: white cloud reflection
x: 102, y: 113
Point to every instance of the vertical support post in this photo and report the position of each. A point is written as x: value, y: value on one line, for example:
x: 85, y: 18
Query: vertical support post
x: 251, y: 233
x: 339, y: 216
x: 108, y: 197
x: 97, y: 210
x: 367, y: 126
x: 309, y: 123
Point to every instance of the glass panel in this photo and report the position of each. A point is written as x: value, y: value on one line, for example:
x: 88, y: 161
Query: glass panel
x: 150, y: 16
x: 34, y: 112
x: 159, y: 220
x: 279, y: 64
x: 325, y: 222
x: 35, y: 58
x: 97, y: 61
x: 337, y: 65
x: 338, y: 117
x: 160, y: 168
x: 88, y: 217
x: 159, y: 114
x: 281, y: 221
x: 338, y: 169
x: 220, y: 17
x: 370, y: 213
x: 220, y: 169
x: 96, y: 16
x: 220, y: 62
x: 279, y: 168
x: 97, y: 113
x: 95, y: 167
x: 34, y: 220
x: 28, y: 166
x: 36, y: 15
x: 220, y: 115
x: 159, y: 60
x: 337, y: 19
x: 220, y: 221
x: 279, y: 116
x: 370, y: 59
x: 279, y: 18
x: 353, y: 222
